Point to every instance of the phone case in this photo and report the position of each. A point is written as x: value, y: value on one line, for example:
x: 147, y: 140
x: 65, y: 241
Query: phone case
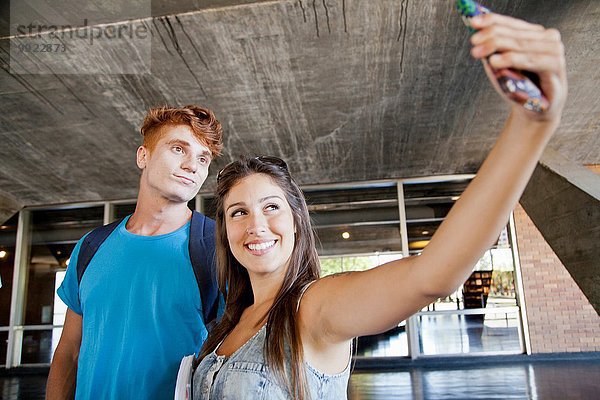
x: 519, y: 86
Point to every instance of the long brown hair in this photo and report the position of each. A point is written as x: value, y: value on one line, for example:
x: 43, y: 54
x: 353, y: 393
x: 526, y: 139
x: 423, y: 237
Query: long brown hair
x: 282, y: 325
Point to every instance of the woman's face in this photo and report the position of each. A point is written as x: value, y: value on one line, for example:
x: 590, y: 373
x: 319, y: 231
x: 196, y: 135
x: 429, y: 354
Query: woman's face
x: 260, y: 226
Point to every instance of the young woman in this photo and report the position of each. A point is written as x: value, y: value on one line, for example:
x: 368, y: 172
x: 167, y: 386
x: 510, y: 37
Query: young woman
x: 286, y: 333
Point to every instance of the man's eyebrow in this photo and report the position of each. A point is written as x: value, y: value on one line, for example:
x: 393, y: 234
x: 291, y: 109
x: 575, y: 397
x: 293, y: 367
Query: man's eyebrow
x: 179, y: 141
x: 206, y: 153
x: 185, y: 143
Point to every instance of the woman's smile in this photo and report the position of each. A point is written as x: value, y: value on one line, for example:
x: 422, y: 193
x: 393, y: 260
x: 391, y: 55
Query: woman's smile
x: 260, y: 247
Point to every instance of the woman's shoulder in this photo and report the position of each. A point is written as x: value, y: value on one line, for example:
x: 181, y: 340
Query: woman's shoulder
x: 302, y: 292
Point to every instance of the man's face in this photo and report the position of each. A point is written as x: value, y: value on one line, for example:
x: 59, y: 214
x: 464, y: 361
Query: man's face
x: 177, y: 167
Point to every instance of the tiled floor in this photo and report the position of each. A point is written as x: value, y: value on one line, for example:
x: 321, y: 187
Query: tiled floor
x: 560, y: 379
x: 27, y: 387
x: 556, y: 380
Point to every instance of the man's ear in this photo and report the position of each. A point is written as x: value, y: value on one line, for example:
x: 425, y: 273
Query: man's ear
x: 142, y: 157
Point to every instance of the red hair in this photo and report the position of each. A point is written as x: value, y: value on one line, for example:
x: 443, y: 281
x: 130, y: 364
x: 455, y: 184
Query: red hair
x: 202, y: 121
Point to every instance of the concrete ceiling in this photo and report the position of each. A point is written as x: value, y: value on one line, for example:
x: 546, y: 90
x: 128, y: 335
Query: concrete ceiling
x: 345, y: 90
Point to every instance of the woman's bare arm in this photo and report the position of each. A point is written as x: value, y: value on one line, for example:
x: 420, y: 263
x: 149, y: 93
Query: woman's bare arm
x: 338, y: 308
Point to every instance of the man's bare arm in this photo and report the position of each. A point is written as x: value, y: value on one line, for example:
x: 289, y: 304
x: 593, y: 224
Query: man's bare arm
x: 63, y: 371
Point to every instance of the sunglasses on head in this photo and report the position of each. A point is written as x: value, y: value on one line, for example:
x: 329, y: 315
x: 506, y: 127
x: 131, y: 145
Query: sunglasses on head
x: 271, y: 160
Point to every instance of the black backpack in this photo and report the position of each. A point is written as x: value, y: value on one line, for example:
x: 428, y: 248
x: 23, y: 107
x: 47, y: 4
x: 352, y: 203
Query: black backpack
x: 202, y: 256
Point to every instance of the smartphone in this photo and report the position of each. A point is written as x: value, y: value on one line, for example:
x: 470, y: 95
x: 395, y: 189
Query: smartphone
x: 521, y: 87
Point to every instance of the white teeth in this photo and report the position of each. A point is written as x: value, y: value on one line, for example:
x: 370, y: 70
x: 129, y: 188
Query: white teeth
x: 261, y: 246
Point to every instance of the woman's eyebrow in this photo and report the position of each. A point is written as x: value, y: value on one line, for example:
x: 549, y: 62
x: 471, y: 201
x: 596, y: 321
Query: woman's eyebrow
x: 270, y: 197
x: 241, y: 203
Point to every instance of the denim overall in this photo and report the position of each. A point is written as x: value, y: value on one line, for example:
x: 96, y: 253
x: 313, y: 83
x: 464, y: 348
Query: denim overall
x: 244, y: 375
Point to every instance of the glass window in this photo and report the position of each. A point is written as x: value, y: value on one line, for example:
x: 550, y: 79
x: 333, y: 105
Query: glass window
x: 123, y: 210
x: 333, y: 265
x: 490, y: 285
x: 54, y: 234
x: 36, y: 347
x: 393, y: 343
x: 209, y: 206
x: 481, y: 316
x: 427, y: 204
x: 3, y: 346
x: 496, y: 332
x: 357, y: 220
x: 8, y: 237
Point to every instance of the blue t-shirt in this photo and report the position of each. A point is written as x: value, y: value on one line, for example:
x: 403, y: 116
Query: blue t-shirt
x: 141, y: 313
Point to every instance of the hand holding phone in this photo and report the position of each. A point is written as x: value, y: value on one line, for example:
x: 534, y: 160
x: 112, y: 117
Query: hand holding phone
x: 520, y: 86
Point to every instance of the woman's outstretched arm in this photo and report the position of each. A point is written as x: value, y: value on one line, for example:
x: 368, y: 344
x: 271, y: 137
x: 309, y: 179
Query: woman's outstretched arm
x: 338, y: 308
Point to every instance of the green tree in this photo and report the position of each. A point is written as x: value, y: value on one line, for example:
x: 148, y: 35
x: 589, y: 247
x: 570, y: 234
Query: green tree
x: 334, y: 265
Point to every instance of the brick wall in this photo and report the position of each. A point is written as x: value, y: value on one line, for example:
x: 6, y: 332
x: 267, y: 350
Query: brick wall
x: 594, y: 168
x: 561, y: 318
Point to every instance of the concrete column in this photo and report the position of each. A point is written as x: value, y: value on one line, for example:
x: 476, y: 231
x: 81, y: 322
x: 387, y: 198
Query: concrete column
x: 563, y: 200
x: 9, y: 205
x: 19, y: 291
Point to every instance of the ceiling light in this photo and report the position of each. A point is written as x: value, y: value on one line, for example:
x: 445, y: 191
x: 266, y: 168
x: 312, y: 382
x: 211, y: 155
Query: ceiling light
x: 2, y: 253
x: 425, y: 233
x: 68, y: 261
x: 346, y: 235
x: 454, y: 198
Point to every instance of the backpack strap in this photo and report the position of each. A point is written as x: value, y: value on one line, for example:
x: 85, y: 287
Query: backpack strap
x: 202, y: 256
x: 91, y: 244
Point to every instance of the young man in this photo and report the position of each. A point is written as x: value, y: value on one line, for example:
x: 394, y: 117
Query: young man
x: 137, y: 310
